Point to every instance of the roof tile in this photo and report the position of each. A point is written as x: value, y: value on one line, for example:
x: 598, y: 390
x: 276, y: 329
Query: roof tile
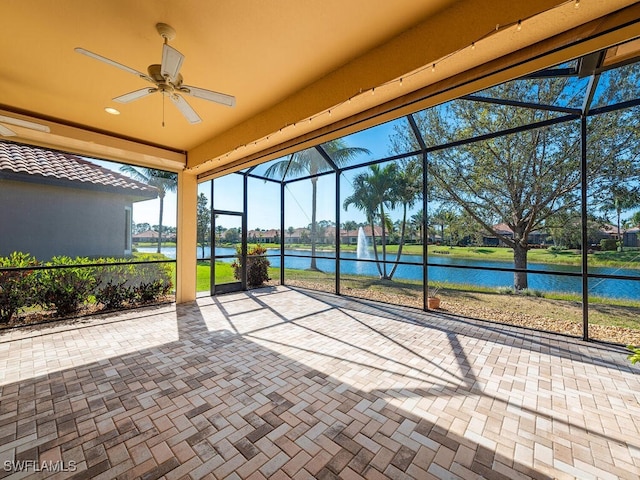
x: 31, y: 160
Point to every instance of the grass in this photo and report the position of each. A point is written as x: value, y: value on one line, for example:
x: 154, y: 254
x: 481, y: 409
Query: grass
x: 629, y: 258
x: 154, y: 244
x: 224, y: 274
x: 566, y: 306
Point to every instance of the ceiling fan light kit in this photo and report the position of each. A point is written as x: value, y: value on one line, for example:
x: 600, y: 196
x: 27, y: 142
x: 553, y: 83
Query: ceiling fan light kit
x: 166, y: 79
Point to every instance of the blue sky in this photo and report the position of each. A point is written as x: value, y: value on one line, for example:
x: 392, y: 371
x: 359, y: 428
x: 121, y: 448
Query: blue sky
x: 147, y: 211
x: 264, y: 197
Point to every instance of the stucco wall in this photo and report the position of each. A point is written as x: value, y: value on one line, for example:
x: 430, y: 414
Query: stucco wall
x: 48, y: 220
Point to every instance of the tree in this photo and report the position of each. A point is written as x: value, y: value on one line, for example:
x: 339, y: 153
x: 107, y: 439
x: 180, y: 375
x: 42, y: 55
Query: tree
x: 443, y: 217
x: 622, y: 198
x: 291, y: 231
x: 232, y: 235
x: 406, y: 190
x: 521, y: 178
x: 416, y: 222
x: 373, y: 193
x: 142, y: 227
x: 162, y: 181
x: 219, y: 231
x: 203, y: 222
x: 311, y: 162
x: 363, y: 198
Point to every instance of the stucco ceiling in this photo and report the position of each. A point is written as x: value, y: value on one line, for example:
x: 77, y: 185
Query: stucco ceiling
x: 284, y: 61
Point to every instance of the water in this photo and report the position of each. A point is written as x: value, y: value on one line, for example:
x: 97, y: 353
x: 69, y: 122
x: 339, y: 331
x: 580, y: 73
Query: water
x: 437, y: 272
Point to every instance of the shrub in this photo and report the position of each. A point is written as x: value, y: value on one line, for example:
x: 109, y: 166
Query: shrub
x: 151, y: 291
x: 505, y: 290
x: 67, y: 287
x: 114, y: 295
x: 528, y: 292
x: 257, y: 266
x: 16, y: 286
x: 122, y: 282
x: 634, y: 356
x: 608, y: 244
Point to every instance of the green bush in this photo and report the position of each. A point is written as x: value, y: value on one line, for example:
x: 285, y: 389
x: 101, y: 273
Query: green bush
x: 68, y: 285
x: 66, y: 288
x: 16, y: 286
x: 257, y: 266
x: 114, y: 295
x: 151, y: 291
x: 634, y: 356
x: 608, y: 244
x: 505, y: 290
x: 120, y: 282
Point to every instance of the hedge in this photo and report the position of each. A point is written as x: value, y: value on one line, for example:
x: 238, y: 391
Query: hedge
x: 68, y: 285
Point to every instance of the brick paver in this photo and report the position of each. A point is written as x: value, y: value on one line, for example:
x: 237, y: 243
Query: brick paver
x: 285, y: 383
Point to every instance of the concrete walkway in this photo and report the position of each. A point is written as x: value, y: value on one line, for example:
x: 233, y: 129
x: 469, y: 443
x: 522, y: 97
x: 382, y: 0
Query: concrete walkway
x: 283, y: 383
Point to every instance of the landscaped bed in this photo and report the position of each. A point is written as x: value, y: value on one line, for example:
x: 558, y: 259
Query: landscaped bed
x: 64, y: 287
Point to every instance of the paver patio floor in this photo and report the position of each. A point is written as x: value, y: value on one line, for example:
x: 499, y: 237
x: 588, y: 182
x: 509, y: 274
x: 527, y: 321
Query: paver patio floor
x: 287, y: 383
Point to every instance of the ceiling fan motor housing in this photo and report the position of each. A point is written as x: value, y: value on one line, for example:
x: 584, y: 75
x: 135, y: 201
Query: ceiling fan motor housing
x: 155, y: 73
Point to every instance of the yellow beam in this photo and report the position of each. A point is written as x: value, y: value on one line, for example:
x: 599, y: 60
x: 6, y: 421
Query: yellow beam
x: 435, y: 38
x: 186, y: 250
x: 597, y: 34
x: 82, y: 141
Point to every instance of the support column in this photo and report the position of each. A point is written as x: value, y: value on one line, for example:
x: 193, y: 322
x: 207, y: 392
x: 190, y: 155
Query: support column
x: 186, y: 250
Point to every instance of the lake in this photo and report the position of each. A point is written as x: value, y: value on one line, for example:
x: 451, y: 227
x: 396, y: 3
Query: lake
x: 438, y: 271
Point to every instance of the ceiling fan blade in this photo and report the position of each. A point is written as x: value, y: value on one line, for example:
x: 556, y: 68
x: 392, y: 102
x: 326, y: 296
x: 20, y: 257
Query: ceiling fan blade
x: 114, y: 64
x: 6, y: 132
x: 186, y: 110
x: 135, y: 95
x: 24, y: 123
x: 210, y: 95
x: 171, y: 62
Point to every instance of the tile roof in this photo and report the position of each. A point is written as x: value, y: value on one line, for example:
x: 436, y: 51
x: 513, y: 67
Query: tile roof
x: 39, y: 162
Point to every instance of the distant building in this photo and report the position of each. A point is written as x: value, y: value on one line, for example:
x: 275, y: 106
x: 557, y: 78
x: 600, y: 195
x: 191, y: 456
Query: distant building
x: 534, y: 238
x: 350, y: 237
x: 263, y: 236
x: 146, y: 236
x: 53, y: 203
x: 630, y: 236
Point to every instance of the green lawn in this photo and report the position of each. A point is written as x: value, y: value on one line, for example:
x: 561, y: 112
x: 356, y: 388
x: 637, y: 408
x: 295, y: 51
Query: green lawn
x: 629, y: 258
x: 553, y: 311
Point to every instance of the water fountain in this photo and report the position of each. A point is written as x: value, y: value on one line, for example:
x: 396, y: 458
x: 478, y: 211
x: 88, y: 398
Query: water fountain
x: 362, y: 249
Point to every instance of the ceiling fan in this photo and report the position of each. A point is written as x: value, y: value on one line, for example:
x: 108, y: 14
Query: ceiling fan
x: 166, y: 79
x: 7, y: 132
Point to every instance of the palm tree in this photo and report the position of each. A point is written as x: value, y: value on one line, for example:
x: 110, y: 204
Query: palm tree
x: 406, y: 190
x: 416, y: 222
x: 310, y: 162
x: 372, y: 192
x: 363, y: 198
x: 443, y: 217
x: 162, y: 181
